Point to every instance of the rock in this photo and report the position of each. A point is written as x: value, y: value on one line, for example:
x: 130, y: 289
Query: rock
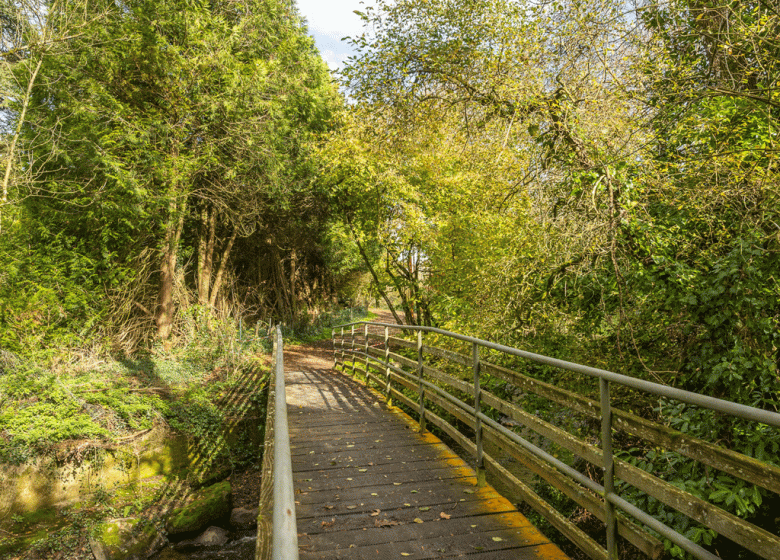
x: 126, y: 538
x: 243, y: 518
x: 213, y: 536
x: 208, y: 506
x: 210, y: 538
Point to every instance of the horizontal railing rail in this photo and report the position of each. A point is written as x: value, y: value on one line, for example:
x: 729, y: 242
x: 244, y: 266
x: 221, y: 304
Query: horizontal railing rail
x: 419, y: 377
x: 277, y: 534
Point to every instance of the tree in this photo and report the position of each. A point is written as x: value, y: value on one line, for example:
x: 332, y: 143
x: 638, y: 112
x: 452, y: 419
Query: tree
x: 178, y: 127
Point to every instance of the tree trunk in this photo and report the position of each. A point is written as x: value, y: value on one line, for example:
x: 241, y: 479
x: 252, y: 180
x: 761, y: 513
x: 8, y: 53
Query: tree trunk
x: 164, y: 315
x: 12, y: 148
x: 221, y: 270
x: 375, y: 277
x: 206, y: 254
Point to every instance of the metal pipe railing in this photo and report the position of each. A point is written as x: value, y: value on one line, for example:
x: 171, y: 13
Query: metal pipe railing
x: 284, y: 539
x: 712, y: 403
x: 607, y: 490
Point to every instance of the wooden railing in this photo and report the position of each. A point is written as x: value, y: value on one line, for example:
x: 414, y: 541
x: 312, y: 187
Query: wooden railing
x: 419, y: 376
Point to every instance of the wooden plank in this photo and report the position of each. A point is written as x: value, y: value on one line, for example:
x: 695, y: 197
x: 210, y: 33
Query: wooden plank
x: 395, y: 342
x: 266, y: 506
x: 740, y: 531
x: 445, y: 543
x: 730, y: 462
x: 442, y: 484
x: 449, y: 380
x: 398, y: 474
x: 447, y: 355
x: 567, y: 528
x: 636, y: 535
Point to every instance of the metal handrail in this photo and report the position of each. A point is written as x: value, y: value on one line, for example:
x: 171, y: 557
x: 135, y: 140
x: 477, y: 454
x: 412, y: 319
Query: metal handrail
x: 611, y: 499
x: 712, y: 403
x: 284, y: 539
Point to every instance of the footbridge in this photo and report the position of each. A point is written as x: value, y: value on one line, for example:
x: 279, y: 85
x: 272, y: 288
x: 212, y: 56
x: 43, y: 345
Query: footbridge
x: 355, y: 468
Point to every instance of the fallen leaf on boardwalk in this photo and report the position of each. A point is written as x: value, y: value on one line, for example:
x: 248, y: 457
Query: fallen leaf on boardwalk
x: 384, y: 523
x: 468, y: 491
x: 374, y: 494
x: 396, y: 484
x: 362, y: 470
x: 418, y: 520
x: 329, y: 523
x: 497, y: 539
x: 329, y: 507
x: 414, y: 491
x: 444, y: 515
x: 351, y: 507
x: 425, y: 508
x: 404, y: 554
x: 375, y: 513
x: 408, y: 505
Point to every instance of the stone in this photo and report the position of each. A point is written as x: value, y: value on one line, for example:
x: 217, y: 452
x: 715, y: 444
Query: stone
x: 126, y: 538
x: 208, y: 506
x: 243, y: 518
x: 210, y: 538
x: 213, y: 536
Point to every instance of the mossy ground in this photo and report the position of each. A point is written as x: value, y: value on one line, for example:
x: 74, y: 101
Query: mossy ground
x: 221, y: 416
x: 211, y: 390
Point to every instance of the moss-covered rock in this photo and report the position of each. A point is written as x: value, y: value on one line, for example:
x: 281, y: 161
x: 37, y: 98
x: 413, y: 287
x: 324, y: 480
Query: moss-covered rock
x: 209, y: 505
x: 125, y: 539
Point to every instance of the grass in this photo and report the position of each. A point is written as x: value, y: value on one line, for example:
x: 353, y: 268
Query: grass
x: 320, y: 328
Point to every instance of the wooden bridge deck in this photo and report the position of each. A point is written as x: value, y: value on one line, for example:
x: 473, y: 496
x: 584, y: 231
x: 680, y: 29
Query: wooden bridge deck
x: 367, y: 485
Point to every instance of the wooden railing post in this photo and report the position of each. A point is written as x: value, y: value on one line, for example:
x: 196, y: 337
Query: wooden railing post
x: 420, y: 380
x: 609, y: 469
x: 387, y: 367
x: 480, y: 462
x: 333, y: 338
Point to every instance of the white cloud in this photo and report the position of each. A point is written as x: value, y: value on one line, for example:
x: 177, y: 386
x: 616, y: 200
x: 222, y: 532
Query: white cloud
x: 329, y: 21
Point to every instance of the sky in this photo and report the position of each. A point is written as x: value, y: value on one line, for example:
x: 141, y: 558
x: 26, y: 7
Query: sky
x: 329, y: 21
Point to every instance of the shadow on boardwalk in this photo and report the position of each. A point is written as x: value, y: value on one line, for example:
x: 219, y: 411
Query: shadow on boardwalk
x: 367, y: 485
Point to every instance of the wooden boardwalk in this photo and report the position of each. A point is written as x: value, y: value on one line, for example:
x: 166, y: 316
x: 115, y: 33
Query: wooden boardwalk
x: 367, y: 485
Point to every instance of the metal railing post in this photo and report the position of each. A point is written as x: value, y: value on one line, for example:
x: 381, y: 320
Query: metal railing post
x: 480, y: 462
x: 333, y: 338
x: 421, y: 387
x: 341, y: 346
x: 609, y: 472
x: 387, y: 367
x: 365, y: 348
x: 352, y: 350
